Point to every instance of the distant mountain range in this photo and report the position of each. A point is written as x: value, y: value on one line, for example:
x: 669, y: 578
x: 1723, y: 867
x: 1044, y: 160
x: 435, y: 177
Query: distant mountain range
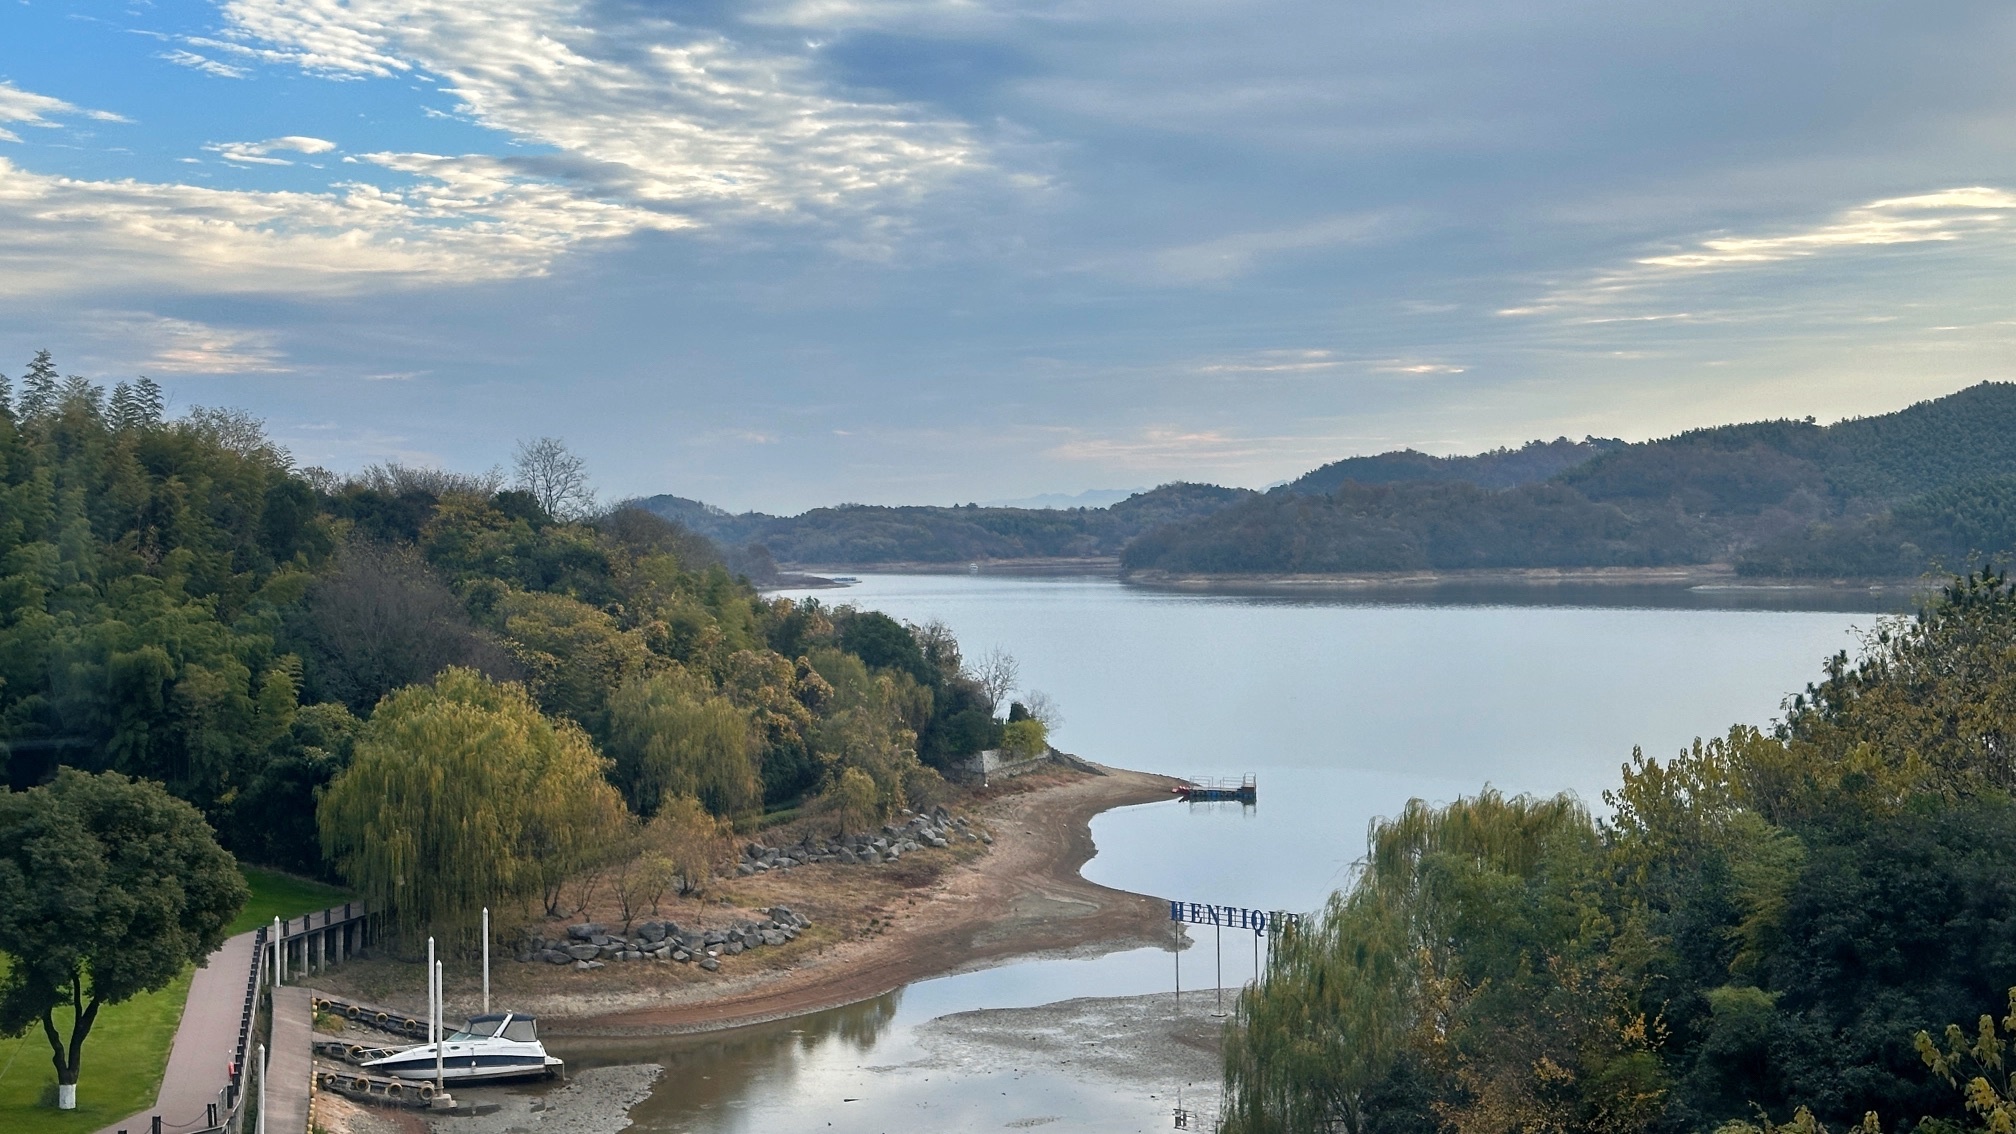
x: 1090, y: 498
x: 1886, y: 496
x: 1892, y: 495
x: 856, y: 534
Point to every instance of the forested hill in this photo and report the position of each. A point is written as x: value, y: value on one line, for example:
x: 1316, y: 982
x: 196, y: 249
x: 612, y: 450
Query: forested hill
x: 178, y: 602
x: 1499, y: 468
x: 859, y: 533
x: 1886, y: 496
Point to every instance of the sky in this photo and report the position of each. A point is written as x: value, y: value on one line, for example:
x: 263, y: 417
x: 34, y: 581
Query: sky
x: 785, y: 253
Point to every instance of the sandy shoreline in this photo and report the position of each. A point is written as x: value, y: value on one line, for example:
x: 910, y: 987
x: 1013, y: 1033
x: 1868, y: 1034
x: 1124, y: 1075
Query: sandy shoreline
x: 1024, y: 898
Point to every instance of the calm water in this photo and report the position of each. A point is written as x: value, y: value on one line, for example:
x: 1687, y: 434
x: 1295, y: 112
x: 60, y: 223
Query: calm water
x: 1342, y: 708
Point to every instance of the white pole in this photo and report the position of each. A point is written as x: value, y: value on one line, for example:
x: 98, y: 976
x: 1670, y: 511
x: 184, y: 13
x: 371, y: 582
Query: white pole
x: 279, y: 956
x: 439, y: 996
x: 431, y: 993
x: 261, y: 1068
x: 486, y: 960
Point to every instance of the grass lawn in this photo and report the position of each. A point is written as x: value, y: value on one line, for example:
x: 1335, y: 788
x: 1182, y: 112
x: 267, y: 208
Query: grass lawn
x: 127, y: 1049
x: 282, y: 895
x: 123, y: 1059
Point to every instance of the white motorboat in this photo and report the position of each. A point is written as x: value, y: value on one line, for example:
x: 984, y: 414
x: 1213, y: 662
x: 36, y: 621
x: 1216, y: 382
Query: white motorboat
x: 504, y: 1045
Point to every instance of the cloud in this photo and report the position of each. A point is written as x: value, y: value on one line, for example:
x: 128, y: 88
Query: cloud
x: 1294, y: 362
x: 27, y: 108
x: 1276, y: 362
x: 1414, y: 367
x: 1227, y: 257
x: 466, y: 220
x: 203, y: 63
x: 162, y: 345
x: 635, y: 125
x: 1945, y: 216
x: 653, y: 113
x: 260, y: 153
x: 1174, y: 447
x: 1949, y: 214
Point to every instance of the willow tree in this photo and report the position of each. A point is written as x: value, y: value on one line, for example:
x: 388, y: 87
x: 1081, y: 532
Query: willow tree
x: 672, y: 735
x: 1475, y: 977
x: 462, y: 795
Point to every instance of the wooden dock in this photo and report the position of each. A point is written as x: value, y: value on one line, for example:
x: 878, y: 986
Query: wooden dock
x: 1242, y: 790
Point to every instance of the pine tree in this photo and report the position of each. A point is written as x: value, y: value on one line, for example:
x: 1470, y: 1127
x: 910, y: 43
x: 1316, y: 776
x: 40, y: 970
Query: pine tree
x: 79, y: 394
x: 6, y: 398
x: 149, y: 400
x: 38, y: 387
x: 124, y: 413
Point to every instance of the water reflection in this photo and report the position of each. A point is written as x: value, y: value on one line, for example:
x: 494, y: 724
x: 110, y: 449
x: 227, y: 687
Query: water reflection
x: 1344, y: 706
x: 867, y: 1068
x: 711, y: 1078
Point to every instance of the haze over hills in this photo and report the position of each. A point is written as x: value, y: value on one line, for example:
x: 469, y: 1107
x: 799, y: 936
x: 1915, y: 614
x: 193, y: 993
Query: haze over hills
x: 1892, y: 495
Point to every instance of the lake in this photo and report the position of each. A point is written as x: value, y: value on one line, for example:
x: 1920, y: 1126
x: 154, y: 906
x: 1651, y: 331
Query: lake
x: 1342, y: 707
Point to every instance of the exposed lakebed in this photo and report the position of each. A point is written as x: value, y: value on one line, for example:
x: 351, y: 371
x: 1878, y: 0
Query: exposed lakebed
x: 1343, y: 707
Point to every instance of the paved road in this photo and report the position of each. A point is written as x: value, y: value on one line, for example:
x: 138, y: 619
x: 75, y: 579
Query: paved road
x: 200, y: 1062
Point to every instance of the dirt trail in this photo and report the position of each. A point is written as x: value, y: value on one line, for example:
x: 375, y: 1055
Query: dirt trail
x: 1025, y: 897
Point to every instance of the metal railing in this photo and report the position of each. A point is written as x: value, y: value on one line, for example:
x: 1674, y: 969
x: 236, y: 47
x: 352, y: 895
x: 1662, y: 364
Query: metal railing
x: 225, y: 1113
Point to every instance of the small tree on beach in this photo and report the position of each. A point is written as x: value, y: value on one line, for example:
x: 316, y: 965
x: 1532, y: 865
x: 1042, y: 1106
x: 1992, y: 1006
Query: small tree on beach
x: 629, y: 881
x: 687, y: 840
x: 853, y: 801
x: 109, y: 887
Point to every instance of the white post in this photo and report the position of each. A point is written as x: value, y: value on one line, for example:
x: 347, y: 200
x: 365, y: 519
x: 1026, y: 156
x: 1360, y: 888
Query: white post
x: 486, y: 960
x: 431, y: 993
x: 261, y: 1068
x: 439, y: 1028
x: 279, y: 956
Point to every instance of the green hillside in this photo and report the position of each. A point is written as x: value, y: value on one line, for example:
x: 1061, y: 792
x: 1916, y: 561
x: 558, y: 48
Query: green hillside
x: 181, y: 603
x: 1891, y: 495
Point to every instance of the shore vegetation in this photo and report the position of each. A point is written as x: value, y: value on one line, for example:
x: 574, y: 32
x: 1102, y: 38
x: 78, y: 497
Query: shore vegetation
x: 1762, y: 931
x: 445, y: 690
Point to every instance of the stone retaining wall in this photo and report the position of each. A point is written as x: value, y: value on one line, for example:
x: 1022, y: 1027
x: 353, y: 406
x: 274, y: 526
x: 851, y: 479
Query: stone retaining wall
x: 997, y: 764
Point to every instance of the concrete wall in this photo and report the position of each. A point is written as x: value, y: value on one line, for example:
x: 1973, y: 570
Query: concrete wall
x: 995, y: 764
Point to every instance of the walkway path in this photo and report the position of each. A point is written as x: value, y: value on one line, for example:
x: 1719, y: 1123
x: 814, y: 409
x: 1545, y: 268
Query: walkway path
x: 291, y: 1064
x: 200, y: 1062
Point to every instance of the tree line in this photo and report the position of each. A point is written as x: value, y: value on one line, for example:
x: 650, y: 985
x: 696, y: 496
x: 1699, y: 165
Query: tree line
x: 183, y: 604
x: 859, y: 533
x: 1770, y: 928
x: 450, y: 691
x: 1926, y: 488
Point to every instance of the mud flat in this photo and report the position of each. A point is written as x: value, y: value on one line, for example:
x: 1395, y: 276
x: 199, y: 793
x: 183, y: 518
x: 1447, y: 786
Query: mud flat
x: 1024, y: 898
x: 1151, y: 1046
x: 595, y: 1101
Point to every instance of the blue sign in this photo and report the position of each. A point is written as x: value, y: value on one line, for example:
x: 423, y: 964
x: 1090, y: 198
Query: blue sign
x: 1231, y: 917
